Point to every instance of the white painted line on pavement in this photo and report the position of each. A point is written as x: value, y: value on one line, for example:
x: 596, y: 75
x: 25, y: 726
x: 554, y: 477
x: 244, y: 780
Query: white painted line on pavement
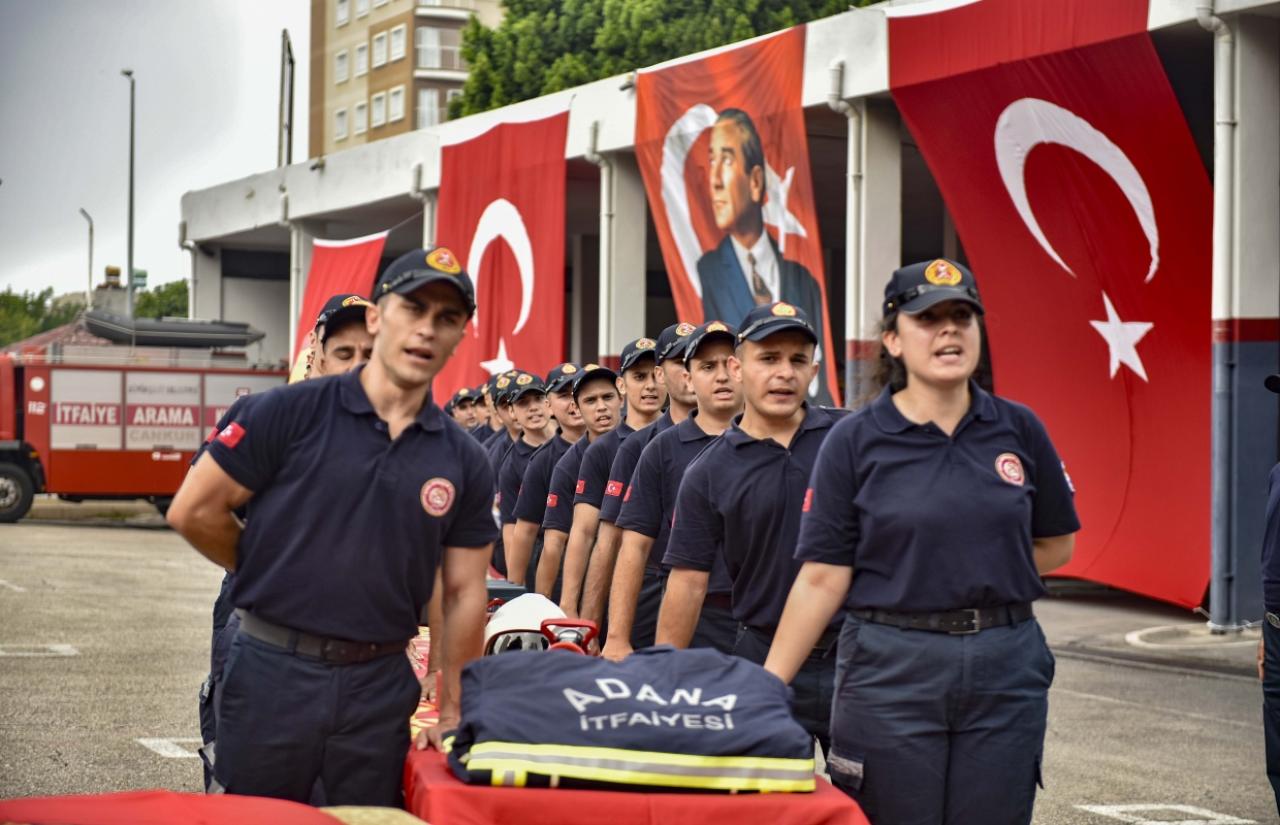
x: 1136, y: 638
x: 10, y: 585
x: 1130, y: 814
x: 1145, y: 706
x: 37, y: 651
x: 170, y: 748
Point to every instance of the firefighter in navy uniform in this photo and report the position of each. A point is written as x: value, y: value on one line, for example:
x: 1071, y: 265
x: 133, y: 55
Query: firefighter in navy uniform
x: 645, y: 520
x: 644, y: 397
x: 740, y: 500
x: 531, y: 503
x: 317, y: 685
x: 1269, y: 644
x: 595, y: 392
x: 529, y: 403
x: 931, y: 516
x: 670, y: 371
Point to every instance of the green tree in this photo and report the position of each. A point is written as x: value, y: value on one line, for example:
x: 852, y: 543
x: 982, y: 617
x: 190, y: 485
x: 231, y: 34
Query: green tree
x: 30, y: 313
x: 165, y: 300
x: 544, y: 46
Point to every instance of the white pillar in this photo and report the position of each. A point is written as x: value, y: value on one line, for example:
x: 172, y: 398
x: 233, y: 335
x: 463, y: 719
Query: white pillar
x: 622, y: 287
x: 206, y: 292
x: 299, y: 265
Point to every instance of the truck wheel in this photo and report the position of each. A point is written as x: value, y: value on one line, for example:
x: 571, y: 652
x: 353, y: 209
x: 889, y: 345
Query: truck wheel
x: 16, y: 492
x: 162, y: 503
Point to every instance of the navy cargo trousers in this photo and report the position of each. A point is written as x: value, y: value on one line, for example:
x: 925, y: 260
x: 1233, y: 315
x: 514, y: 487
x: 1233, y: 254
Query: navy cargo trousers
x: 936, y: 728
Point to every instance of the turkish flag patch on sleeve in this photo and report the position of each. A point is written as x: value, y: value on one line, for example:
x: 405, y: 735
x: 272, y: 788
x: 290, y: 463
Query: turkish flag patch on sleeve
x: 552, y: 500
x: 808, y: 500
x: 231, y: 434
x: 582, y: 486
x: 613, y: 488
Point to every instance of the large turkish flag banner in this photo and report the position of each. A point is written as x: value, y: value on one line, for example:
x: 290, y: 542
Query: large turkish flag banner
x: 502, y: 212
x: 678, y: 104
x: 1085, y: 209
x: 337, y: 267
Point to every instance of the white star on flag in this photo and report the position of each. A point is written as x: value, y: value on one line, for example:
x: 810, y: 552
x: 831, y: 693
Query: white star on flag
x: 1122, y: 338
x: 500, y: 362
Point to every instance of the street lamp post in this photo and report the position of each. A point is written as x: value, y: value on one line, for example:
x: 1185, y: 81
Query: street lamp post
x: 129, y: 255
x: 88, y: 296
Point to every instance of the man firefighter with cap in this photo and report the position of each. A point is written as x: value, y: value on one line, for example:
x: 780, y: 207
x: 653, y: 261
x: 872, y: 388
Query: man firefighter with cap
x: 644, y: 398
x: 670, y: 371
x: 531, y: 502
x: 741, y: 499
x: 529, y: 405
x: 462, y: 409
x: 316, y: 686
x: 645, y: 520
x: 595, y: 391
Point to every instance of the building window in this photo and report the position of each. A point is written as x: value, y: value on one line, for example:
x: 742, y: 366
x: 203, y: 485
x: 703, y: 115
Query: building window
x: 428, y: 113
x: 340, y: 124
x: 439, y: 48
x: 340, y: 66
x: 344, y: 12
x: 378, y: 109
x: 379, y: 49
x: 362, y: 8
x: 397, y: 42
x: 362, y: 59
x: 395, y: 104
x: 362, y: 118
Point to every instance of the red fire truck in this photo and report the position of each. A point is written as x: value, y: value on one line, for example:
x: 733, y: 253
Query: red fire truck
x: 103, y: 430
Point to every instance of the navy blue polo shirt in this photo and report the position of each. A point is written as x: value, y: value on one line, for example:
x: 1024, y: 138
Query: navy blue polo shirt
x: 741, y: 499
x: 624, y: 464
x: 346, y: 527
x: 558, y: 514
x: 482, y: 432
x: 593, y: 475
x: 531, y: 504
x: 510, y: 477
x: 496, y: 449
x: 1271, y: 545
x: 931, y: 522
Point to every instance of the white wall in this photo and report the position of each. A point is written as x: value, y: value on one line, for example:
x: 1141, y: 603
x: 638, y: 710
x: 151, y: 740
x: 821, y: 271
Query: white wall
x: 262, y: 305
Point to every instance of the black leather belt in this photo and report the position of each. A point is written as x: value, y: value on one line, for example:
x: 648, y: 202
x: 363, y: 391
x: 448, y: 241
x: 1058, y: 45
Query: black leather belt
x: 955, y: 622
x: 338, y: 651
x: 825, y: 645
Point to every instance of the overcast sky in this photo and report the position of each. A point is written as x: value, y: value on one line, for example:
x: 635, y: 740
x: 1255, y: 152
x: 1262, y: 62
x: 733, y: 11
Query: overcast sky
x: 207, y: 101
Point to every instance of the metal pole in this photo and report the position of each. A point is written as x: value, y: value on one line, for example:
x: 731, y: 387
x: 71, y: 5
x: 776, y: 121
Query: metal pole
x: 88, y: 296
x: 284, y: 124
x: 129, y: 255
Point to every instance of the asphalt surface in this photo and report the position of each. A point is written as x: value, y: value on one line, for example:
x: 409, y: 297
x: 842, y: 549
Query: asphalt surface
x: 125, y: 609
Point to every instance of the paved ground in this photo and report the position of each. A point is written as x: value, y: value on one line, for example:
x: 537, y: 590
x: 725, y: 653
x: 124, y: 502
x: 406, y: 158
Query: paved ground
x: 126, y: 609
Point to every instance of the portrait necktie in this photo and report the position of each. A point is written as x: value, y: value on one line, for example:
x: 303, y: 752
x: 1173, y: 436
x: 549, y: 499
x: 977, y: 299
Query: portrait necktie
x: 758, y: 286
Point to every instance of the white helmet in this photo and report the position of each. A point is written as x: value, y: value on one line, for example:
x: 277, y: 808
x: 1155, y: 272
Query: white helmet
x: 517, y: 625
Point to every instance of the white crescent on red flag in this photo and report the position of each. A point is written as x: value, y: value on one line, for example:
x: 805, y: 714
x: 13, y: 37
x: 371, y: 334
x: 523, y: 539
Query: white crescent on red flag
x: 712, y: 235
x: 1085, y: 210
x: 502, y: 211
x: 337, y: 267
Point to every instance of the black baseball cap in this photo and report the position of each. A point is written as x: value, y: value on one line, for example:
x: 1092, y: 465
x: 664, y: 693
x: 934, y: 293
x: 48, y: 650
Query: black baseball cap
x: 525, y: 383
x: 1272, y: 382
x: 917, y: 287
x: 464, y: 394
x: 339, y: 309
x: 503, y: 385
x: 672, y: 341
x: 423, y: 266
x: 637, y: 349
x: 710, y: 331
x: 561, y: 376
x: 767, y: 319
x: 589, y: 372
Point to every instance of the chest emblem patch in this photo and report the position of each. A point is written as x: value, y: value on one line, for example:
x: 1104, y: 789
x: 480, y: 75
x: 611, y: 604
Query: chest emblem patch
x: 437, y: 496
x: 1009, y: 467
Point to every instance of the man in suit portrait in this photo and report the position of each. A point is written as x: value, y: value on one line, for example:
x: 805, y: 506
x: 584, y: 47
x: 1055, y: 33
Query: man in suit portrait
x: 746, y: 268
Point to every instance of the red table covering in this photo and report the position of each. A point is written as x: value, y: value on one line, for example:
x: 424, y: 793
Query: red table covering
x: 432, y: 793
x: 160, y: 808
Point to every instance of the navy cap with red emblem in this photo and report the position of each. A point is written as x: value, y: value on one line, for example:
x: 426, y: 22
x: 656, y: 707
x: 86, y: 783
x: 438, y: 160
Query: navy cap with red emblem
x: 672, y: 341
x: 638, y: 349
x: 768, y: 319
x: 710, y: 331
x: 561, y: 376
x: 416, y: 269
x: 525, y: 383
x: 917, y: 287
x: 338, y: 310
x: 589, y: 372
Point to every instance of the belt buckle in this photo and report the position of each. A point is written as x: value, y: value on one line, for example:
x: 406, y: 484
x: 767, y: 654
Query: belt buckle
x: 976, y: 613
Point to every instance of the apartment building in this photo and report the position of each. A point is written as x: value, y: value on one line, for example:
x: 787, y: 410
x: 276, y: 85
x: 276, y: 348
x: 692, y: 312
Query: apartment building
x: 383, y: 67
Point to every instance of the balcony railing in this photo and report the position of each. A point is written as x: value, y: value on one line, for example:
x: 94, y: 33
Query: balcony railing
x: 466, y: 5
x: 441, y: 57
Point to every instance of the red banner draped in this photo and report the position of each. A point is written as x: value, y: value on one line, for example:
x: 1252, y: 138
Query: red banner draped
x: 1085, y: 209
x: 502, y: 212
x: 711, y: 201
x: 337, y: 266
